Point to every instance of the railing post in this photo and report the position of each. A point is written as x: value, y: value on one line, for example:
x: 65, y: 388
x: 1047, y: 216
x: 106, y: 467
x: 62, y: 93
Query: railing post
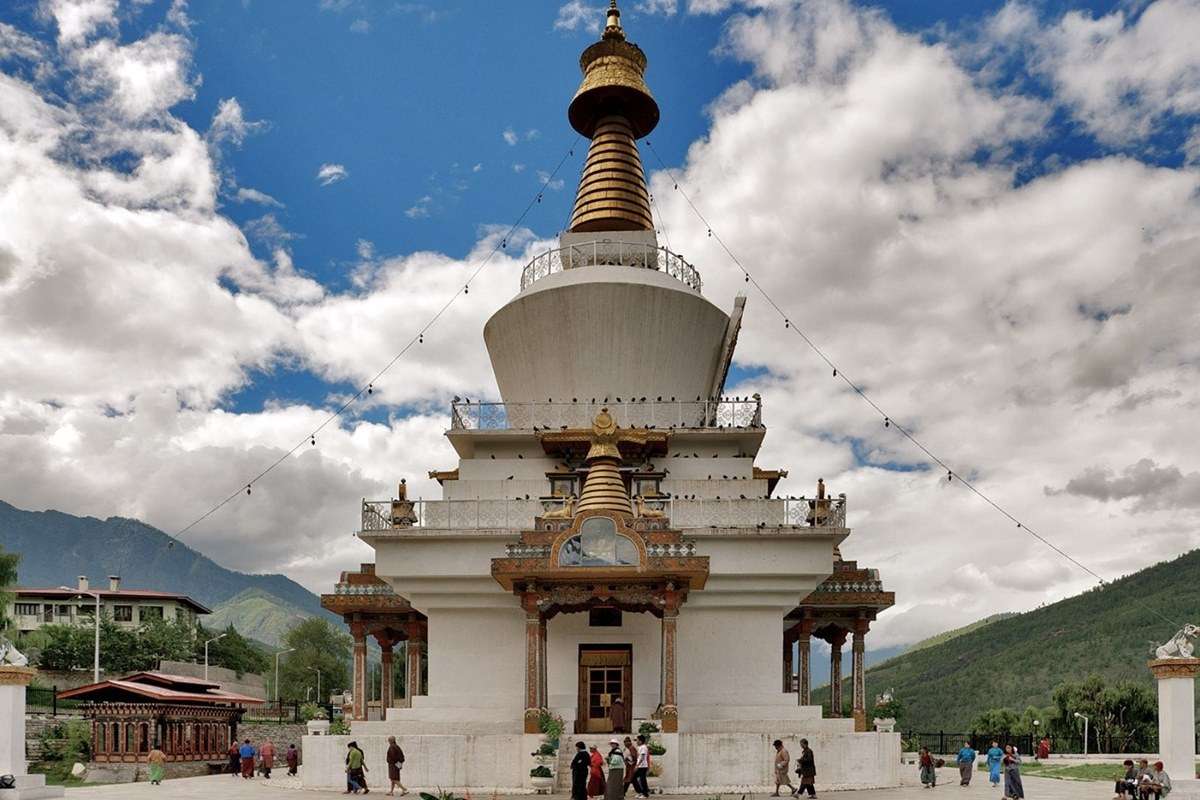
x: 54, y: 700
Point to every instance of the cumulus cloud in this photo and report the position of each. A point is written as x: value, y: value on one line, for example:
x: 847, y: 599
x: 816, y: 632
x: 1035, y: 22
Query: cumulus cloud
x: 419, y: 209
x: 578, y: 14
x: 245, y: 194
x: 229, y: 123
x: 1027, y: 329
x: 331, y: 173
x: 360, y: 26
x: 510, y: 136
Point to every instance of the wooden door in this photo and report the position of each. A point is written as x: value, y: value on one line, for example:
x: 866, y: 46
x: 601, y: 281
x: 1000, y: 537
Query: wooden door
x: 604, y: 675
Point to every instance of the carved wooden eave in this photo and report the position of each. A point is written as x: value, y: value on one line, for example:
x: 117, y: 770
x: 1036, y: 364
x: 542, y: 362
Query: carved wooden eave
x: 665, y: 563
x: 443, y: 475
x: 634, y: 444
x: 771, y: 476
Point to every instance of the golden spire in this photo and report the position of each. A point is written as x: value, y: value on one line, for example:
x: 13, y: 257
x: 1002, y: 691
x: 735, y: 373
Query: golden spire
x: 604, y: 488
x: 613, y: 108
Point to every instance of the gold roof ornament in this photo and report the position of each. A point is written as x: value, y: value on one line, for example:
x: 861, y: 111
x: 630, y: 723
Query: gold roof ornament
x: 613, y: 107
x: 604, y: 488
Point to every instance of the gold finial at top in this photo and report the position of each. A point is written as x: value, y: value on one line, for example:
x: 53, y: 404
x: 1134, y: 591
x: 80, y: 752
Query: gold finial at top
x: 612, y: 25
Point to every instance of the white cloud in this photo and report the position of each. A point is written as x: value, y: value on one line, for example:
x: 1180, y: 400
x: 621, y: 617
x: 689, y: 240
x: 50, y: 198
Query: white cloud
x: 419, y: 209
x: 518, y: 168
x: 579, y: 14
x: 247, y: 195
x: 17, y: 45
x: 544, y: 178
x: 1124, y: 74
x: 229, y: 123
x: 78, y: 19
x: 331, y: 173
x: 510, y: 136
x: 360, y: 26
x: 477, y: 168
x: 664, y: 7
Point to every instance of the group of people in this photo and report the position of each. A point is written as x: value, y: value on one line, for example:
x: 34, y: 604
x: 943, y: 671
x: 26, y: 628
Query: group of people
x: 244, y: 757
x: 611, y: 775
x: 1142, y: 781
x: 356, y: 768
x: 1004, y: 763
x: 806, y: 769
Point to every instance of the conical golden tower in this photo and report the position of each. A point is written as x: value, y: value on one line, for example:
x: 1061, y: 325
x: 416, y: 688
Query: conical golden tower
x: 604, y: 488
x: 613, y: 108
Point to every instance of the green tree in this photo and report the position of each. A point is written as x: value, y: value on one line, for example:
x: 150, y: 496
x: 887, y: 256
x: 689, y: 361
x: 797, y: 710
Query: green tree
x: 8, y: 578
x: 317, y: 645
x: 159, y: 640
x: 995, y: 721
x: 232, y: 651
x: 65, y: 647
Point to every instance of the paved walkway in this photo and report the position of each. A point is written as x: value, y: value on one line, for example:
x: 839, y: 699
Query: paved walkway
x: 224, y: 787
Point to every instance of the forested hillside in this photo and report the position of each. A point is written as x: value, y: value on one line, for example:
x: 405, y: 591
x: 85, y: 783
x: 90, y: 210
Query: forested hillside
x: 1016, y: 662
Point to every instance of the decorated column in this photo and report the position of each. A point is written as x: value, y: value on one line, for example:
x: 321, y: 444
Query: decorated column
x: 543, y: 675
x: 414, y: 649
x: 789, y: 640
x: 804, y: 652
x: 858, y: 676
x: 1176, y: 678
x: 835, y: 673
x: 533, y: 649
x: 358, y: 711
x: 387, y: 670
x: 670, y: 708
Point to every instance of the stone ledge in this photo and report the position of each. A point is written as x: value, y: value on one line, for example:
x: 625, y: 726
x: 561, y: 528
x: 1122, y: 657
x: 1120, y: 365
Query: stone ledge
x: 16, y: 676
x: 1164, y: 668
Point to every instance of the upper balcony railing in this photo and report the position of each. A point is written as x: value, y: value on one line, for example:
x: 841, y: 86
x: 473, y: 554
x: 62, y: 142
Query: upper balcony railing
x: 609, y: 253
x: 517, y: 514
x: 739, y: 412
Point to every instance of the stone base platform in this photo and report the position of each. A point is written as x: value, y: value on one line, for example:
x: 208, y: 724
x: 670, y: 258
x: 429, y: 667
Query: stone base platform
x: 708, y: 761
x: 31, y: 787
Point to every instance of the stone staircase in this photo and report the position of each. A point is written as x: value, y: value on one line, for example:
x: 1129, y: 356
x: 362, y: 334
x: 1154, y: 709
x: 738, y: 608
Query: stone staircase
x: 562, y: 771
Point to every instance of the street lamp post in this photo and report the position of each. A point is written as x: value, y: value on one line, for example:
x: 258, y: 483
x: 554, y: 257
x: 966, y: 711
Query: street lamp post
x: 96, y: 647
x: 1085, y: 731
x: 206, y: 644
x: 318, y: 671
x: 277, y: 655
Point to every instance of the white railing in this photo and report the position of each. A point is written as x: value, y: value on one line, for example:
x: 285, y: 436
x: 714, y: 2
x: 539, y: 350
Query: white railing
x: 610, y: 253
x: 724, y: 412
x: 517, y: 514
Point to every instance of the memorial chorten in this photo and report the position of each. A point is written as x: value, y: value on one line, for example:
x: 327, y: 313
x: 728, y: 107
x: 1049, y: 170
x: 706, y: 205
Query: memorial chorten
x: 606, y: 533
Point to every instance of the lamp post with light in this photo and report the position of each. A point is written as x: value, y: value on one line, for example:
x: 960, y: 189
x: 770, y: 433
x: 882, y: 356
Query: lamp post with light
x: 277, y: 655
x: 206, y: 644
x: 96, y: 648
x: 1085, y: 731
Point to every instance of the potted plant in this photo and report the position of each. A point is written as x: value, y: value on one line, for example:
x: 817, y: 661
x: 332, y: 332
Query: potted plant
x: 545, y: 755
x: 542, y: 779
x: 551, y: 726
x: 654, y: 778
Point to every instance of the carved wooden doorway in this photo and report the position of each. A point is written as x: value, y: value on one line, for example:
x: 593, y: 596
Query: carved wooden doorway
x: 605, y: 673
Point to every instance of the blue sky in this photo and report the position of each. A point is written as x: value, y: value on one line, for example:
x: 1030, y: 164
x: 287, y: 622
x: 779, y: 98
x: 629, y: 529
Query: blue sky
x: 987, y: 213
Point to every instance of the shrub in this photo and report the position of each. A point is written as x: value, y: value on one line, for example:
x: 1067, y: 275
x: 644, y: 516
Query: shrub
x: 339, y: 727
x: 311, y: 711
x: 656, y: 748
x: 647, y: 728
x: 541, y: 772
x: 545, y: 750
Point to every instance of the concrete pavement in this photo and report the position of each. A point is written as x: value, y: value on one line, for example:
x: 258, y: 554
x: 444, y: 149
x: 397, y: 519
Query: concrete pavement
x: 224, y: 787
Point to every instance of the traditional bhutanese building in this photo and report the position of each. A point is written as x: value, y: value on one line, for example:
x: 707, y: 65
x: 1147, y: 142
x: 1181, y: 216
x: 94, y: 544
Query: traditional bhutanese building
x: 606, y: 539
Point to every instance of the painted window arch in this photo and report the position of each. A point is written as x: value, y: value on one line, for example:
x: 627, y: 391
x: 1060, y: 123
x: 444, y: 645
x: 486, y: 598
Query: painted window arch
x: 598, y: 545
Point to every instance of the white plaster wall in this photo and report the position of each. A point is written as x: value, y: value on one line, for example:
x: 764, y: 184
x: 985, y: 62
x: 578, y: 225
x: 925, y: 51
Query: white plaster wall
x: 1177, y: 725
x: 559, y: 338
x: 12, y: 730
x: 430, y: 761
x: 566, y: 632
x: 477, y: 659
x: 714, y: 762
x: 728, y: 656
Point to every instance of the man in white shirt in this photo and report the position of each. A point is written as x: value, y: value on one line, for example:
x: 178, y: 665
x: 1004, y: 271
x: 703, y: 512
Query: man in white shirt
x: 640, y: 787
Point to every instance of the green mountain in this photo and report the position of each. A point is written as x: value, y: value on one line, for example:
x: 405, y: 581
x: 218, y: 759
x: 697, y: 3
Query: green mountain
x: 942, y: 638
x: 1017, y: 661
x: 257, y: 614
x: 56, y: 547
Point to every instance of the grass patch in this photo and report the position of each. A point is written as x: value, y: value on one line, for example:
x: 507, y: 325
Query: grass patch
x: 1074, y: 772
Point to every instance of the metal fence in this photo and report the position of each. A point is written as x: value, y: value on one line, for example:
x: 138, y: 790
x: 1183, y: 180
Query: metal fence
x: 661, y: 413
x: 948, y: 743
x: 272, y: 711
x: 42, y: 701
x: 610, y: 253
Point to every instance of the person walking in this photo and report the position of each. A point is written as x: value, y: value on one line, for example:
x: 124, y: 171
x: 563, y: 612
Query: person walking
x: 595, y: 786
x: 395, y: 762
x: 642, y: 768
x: 619, y: 716
x: 156, y: 763
x: 615, y: 788
x: 246, y: 754
x: 293, y: 759
x: 806, y: 768
x: 995, y: 762
x: 630, y: 764
x: 1043, y: 749
x: 783, y: 763
x: 966, y: 764
x: 266, y: 757
x: 1013, y: 788
x: 235, y: 758
x: 927, y: 768
x: 580, y: 765
x: 356, y: 769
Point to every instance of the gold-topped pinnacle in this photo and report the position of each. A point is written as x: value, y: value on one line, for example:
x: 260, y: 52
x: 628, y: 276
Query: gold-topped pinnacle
x: 603, y: 487
x: 613, y: 107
